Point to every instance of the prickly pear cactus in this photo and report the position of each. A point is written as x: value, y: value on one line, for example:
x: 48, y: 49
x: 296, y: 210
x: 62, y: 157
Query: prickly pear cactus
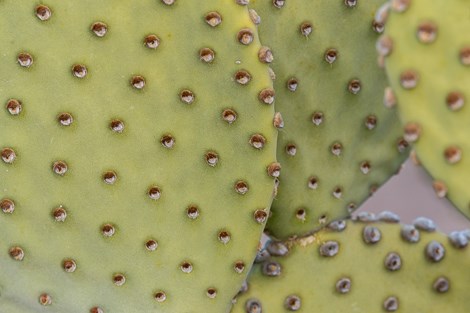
x: 364, y: 267
x: 340, y: 142
x: 138, y: 155
x: 428, y: 63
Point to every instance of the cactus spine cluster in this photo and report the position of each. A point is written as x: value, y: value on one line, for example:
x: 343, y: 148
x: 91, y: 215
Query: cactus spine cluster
x: 141, y: 158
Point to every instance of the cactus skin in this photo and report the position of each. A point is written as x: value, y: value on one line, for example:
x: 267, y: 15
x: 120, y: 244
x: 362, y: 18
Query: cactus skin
x: 421, y: 41
x: 366, y: 157
x: 313, y: 278
x: 91, y: 145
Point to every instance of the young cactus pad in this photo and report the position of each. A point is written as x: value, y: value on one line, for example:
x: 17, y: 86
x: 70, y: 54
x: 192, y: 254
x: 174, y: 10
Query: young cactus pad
x: 340, y: 142
x: 427, y: 49
x: 129, y: 179
x: 367, y: 267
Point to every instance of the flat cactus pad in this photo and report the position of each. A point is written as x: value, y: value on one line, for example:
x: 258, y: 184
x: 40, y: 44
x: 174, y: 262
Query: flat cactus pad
x: 427, y: 50
x: 138, y: 155
x: 364, y: 267
x: 340, y: 142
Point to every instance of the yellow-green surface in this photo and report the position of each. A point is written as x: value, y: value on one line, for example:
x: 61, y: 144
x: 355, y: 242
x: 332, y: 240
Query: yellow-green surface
x: 90, y: 148
x: 313, y: 277
x: 441, y: 71
x: 323, y: 87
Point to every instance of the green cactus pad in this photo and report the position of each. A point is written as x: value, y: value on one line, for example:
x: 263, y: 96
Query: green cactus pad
x: 340, y: 142
x: 368, y: 267
x: 129, y: 180
x: 428, y: 63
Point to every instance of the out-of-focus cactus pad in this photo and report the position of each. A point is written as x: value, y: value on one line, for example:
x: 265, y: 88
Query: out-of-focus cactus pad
x: 427, y: 49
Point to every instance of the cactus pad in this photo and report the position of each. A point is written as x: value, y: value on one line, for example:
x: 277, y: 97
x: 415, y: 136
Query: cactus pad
x: 339, y: 143
x: 129, y: 181
x: 364, y: 267
x: 428, y: 63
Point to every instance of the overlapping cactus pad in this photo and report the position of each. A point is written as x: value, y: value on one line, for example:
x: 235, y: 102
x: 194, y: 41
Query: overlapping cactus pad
x: 340, y: 142
x: 364, y: 267
x: 138, y: 154
x: 428, y: 62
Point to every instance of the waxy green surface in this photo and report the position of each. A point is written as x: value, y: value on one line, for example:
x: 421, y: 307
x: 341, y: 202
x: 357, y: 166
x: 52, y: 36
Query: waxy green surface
x: 340, y: 142
x: 428, y: 64
x: 119, y: 122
